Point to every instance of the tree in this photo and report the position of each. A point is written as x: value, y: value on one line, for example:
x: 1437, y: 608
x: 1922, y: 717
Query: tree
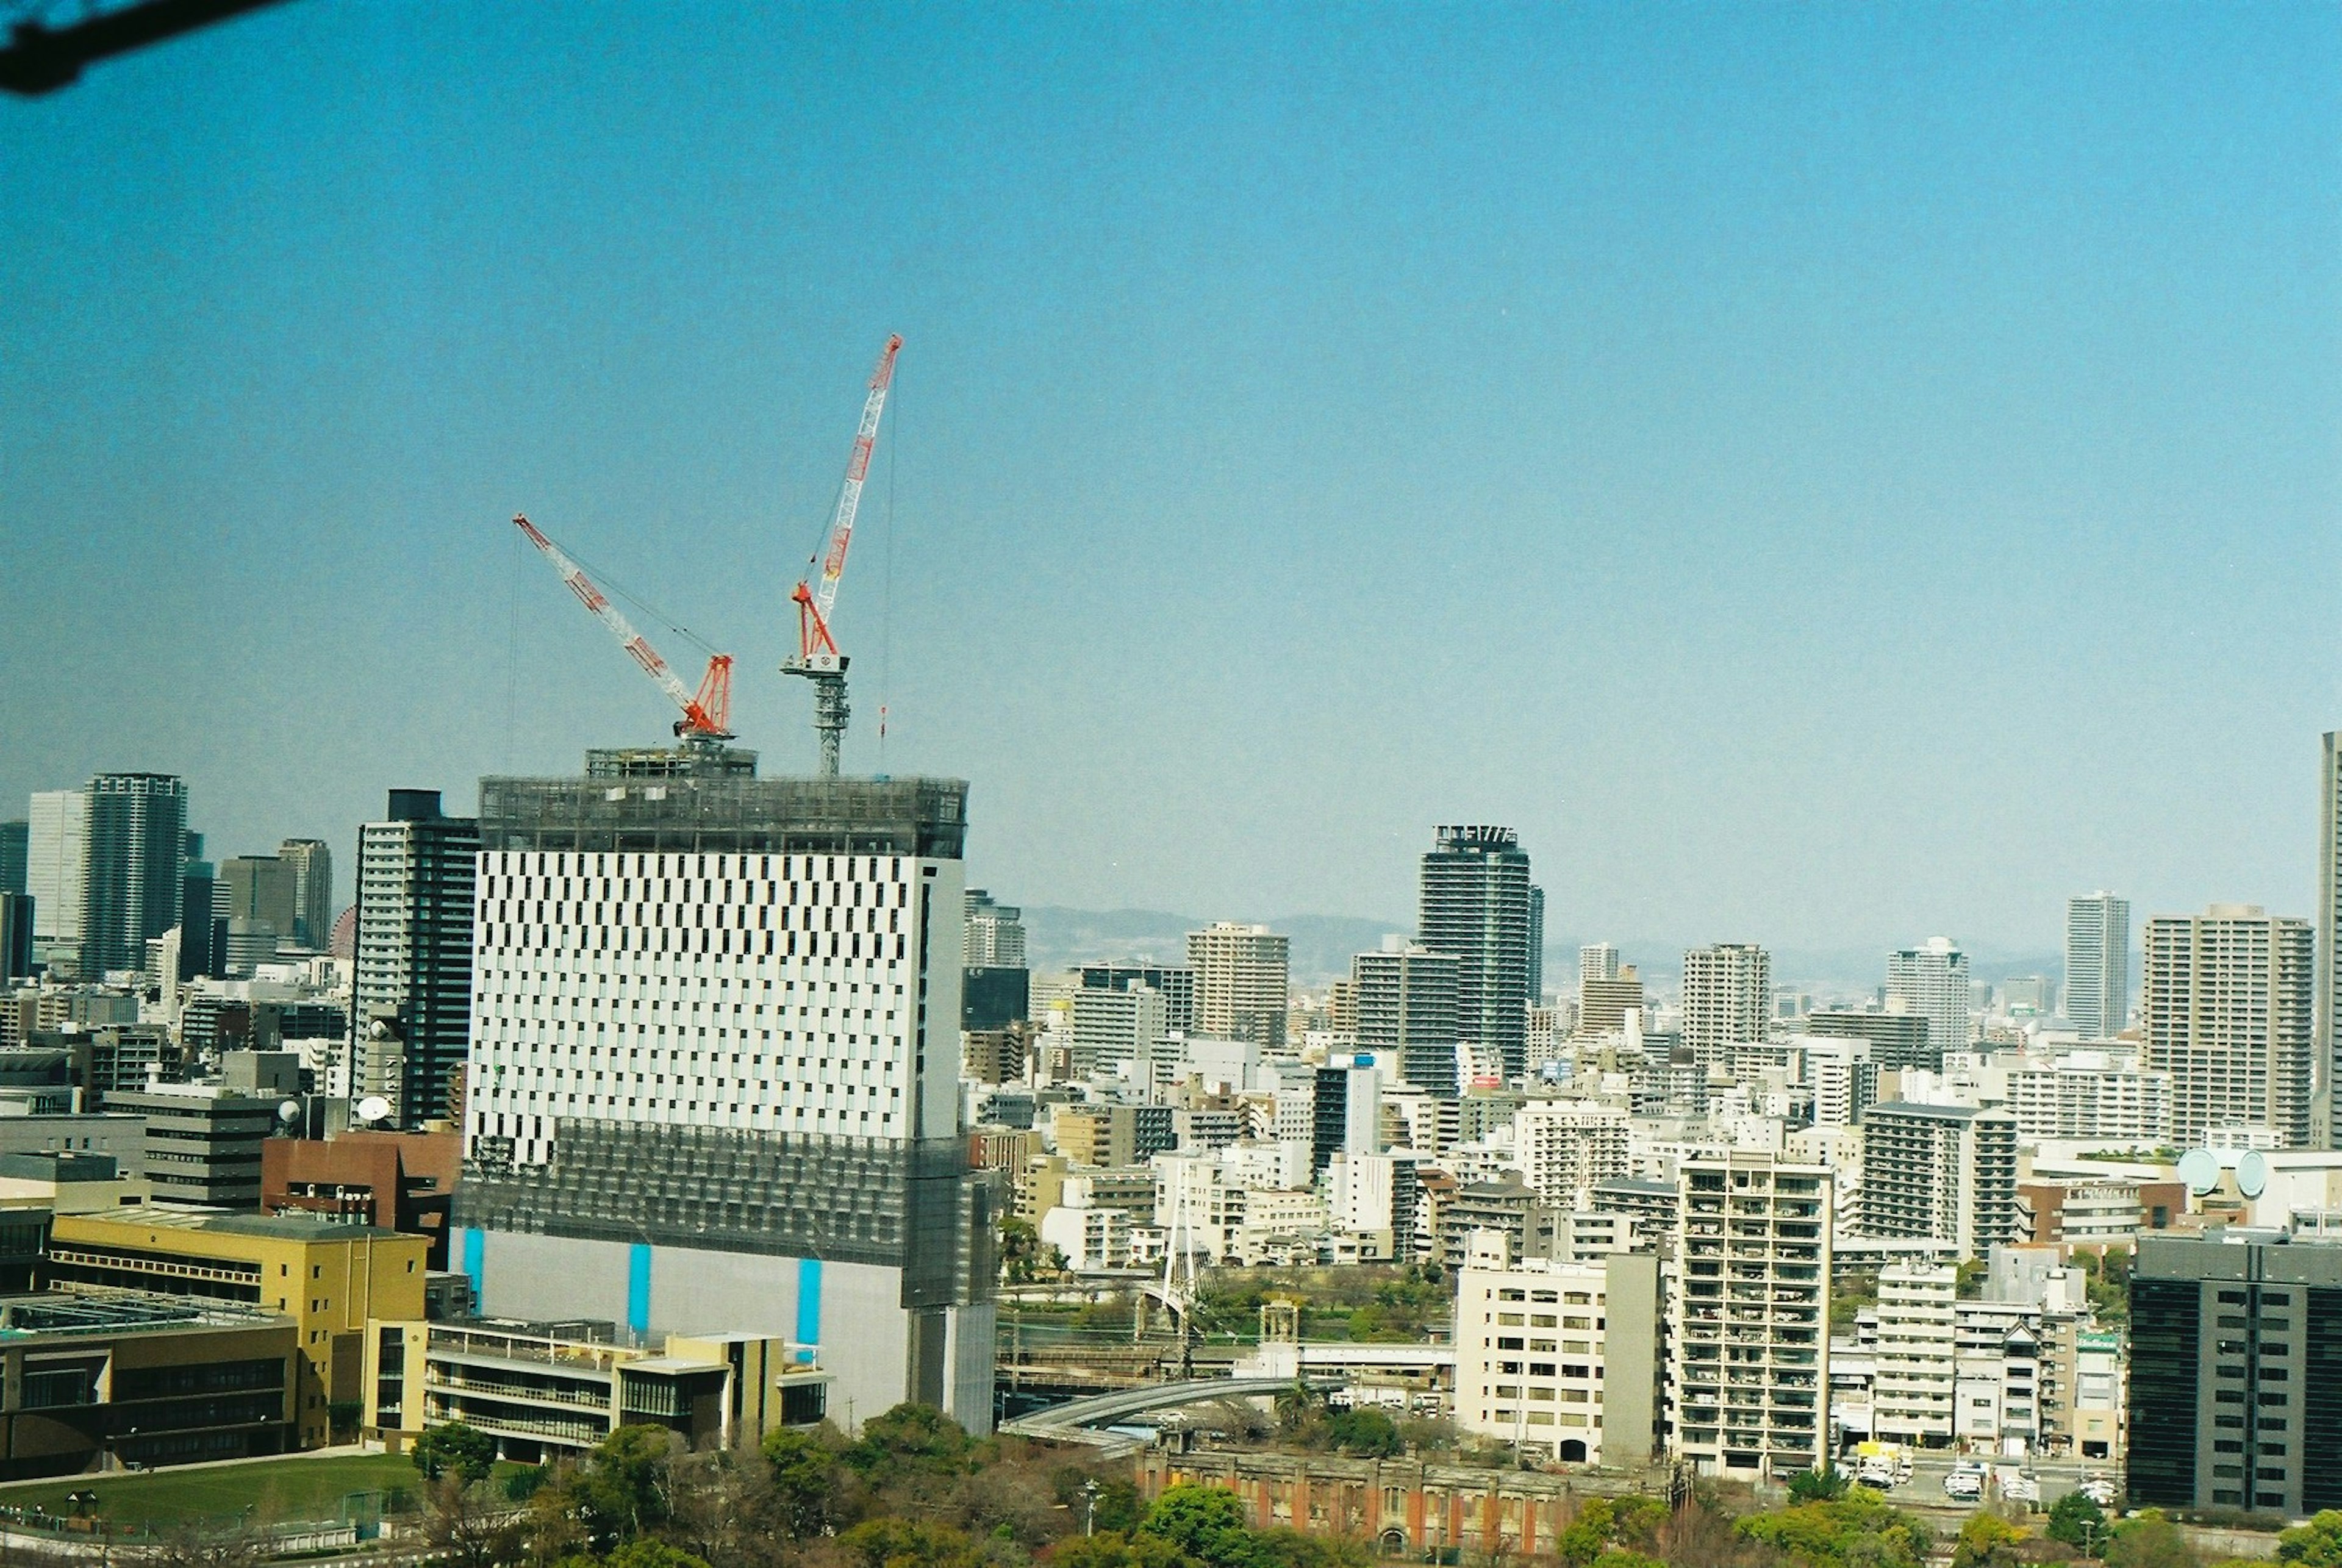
x: 195, y: 1544
x: 1368, y: 1434
x: 1826, y: 1484
x: 1282, y: 1546
x: 804, y: 1481
x: 1987, y: 1540
x: 645, y: 1554
x: 2316, y: 1544
x: 1296, y: 1407
x: 910, y: 1437
x: 1857, y: 1530
x: 903, y: 1543
x: 619, y: 1491
x: 1207, y: 1522
x: 1637, y: 1521
x: 1619, y: 1557
x: 467, y: 1450
x: 1586, y: 1534
x: 2148, y: 1540
x: 468, y: 1524
x: 1112, y: 1549
x: 2082, y: 1523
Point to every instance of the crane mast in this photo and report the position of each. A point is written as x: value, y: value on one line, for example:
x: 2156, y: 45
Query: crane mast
x: 817, y: 657
x: 706, y: 712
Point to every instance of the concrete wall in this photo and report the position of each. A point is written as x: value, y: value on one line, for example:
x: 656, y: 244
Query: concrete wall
x: 852, y: 1312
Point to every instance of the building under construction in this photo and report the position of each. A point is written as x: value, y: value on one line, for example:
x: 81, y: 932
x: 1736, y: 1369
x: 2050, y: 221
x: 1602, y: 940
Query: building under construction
x: 714, y: 1076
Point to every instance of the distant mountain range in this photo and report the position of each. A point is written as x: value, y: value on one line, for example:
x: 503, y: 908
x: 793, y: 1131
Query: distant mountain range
x: 1057, y: 938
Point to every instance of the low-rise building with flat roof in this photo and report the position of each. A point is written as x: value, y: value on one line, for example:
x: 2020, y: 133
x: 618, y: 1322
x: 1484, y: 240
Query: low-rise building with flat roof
x: 328, y: 1276
x: 98, y: 1379
x: 549, y: 1390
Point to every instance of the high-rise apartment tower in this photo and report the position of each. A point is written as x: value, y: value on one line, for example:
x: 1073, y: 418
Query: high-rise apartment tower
x: 1728, y: 992
x: 1476, y: 905
x: 2226, y: 1003
x: 996, y: 932
x: 138, y: 836
x: 1406, y: 1005
x: 411, y: 1003
x: 2327, y: 1082
x: 2098, y: 964
x: 1932, y: 981
x: 1241, y: 985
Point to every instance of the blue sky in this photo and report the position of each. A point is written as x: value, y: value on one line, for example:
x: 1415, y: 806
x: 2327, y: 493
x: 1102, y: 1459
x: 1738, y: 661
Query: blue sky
x: 1825, y: 474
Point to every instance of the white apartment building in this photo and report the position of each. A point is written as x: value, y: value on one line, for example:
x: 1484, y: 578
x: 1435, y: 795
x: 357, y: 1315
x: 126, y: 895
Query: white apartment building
x: 2091, y: 1094
x: 1932, y: 981
x: 2097, y: 964
x: 1946, y: 1173
x: 1562, y: 1147
x: 1272, y: 1218
x: 1912, y: 1398
x: 1091, y: 1239
x: 2226, y: 1011
x: 995, y: 938
x: 1112, y: 1029
x: 1242, y: 982
x: 1842, y: 1076
x: 1748, y: 1340
x: 1560, y: 1359
x: 1727, y: 998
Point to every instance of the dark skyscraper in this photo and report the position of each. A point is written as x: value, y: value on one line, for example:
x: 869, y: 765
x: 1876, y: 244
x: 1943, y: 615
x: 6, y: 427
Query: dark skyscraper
x: 16, y: 846
x: 1478, y: 905
x: 137, y: 837
x: 16, y: 935
x: 411, y: 1006
x: 203, y: 935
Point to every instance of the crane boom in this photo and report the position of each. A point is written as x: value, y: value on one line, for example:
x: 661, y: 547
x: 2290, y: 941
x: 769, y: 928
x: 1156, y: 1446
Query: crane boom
x: 817, y: 657
x: 817, y: 647
x: 707, y: 712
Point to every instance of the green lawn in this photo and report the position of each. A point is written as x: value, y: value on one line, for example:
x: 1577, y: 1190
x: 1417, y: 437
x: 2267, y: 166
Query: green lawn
x: 277, y: 1490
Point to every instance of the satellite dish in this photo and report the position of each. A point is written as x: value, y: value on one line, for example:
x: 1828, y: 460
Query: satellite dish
x: 2200, y: 1169
x: 373, y: 1108
x: 2252, y: 1174
x: 289, y: 1111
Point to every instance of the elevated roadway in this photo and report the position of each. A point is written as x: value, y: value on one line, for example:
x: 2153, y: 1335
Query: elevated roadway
x: 1079, y: 1421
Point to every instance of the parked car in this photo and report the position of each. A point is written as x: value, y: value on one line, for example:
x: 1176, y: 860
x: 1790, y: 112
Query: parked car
x: 2099, y: 1488
x: 2018, y: 1487
x: 1965, y: 1484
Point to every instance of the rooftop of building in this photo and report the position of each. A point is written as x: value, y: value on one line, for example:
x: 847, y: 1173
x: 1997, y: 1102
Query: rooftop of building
x: 228, y: 1223
x: 722, y: 814
x: 1938, y: 1112
x: 74, y: 1314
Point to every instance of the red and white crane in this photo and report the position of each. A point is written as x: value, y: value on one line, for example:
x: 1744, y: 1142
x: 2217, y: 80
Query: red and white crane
x: 817, y: 657
x: 706, y: 712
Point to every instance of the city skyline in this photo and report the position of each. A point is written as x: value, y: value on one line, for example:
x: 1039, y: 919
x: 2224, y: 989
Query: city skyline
x: 1753, y: 343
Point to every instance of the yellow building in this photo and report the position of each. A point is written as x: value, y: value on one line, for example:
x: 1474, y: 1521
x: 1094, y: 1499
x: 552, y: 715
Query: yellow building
x: 328, y: 1278
x: 544, y: 1390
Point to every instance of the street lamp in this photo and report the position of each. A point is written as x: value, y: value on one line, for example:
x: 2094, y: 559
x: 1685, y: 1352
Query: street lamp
x: 1089, y: 1500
